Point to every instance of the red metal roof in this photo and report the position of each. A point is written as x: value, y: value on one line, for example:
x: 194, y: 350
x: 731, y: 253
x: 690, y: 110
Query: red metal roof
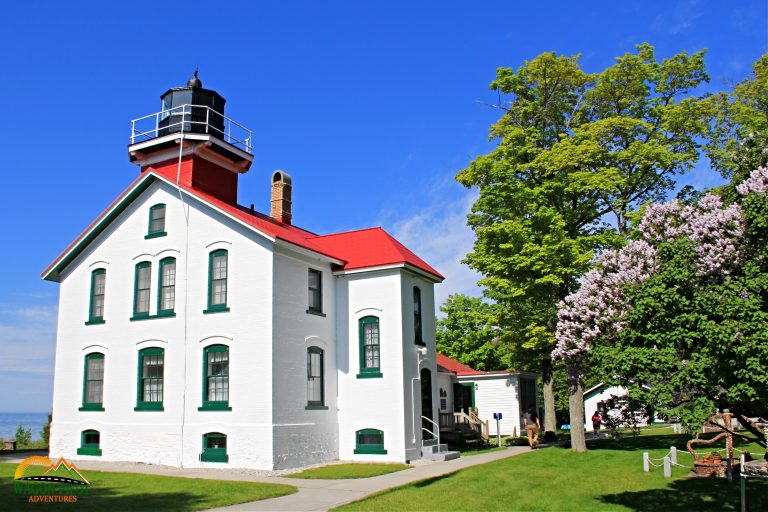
x: 356, y: 249
x: 446, y: 364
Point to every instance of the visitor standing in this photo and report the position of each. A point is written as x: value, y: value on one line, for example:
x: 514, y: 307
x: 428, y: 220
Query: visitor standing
x: 596, y: 422
x: 532, y: 426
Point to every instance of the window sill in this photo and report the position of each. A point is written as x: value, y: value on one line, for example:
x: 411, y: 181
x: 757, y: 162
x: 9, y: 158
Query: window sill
x: 316, y: 408
x: 215, y: 406
x: 96, y: 452
x: 150, y: 406
x: 91, y: 407
x: 159, y: 315
x: 155, y: 235
x: 214, y: 309
x: 315, y: 312
x: 370, y: 375
x: 95, y: 321
x: 370, y: 451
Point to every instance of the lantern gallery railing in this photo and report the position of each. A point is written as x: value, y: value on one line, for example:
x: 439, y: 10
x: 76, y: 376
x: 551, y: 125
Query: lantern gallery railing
x: 191, y: 119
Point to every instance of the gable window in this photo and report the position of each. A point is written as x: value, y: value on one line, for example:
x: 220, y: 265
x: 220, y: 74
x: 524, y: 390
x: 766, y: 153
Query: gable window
x: 93, y: 382
x: 156, y: 221
x: 151, y: 376
x: 315, y: 285
x: 90, y: 441
x: 214, y: 448
x: 370, y: 364
x: 96, y: 306
x: 369, y: 441
x: 315, y: 379
x: 417, y: 316
x: 217, y: 281
x: 166, y: 291
x: 216, y: 378
x: 141, y: 290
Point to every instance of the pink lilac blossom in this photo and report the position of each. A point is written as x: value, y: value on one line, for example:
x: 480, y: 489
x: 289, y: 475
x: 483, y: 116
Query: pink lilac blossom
x: 597, y: 310
x: 757, y: 182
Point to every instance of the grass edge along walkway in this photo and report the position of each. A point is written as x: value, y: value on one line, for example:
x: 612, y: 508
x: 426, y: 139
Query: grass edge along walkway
x: 349, y: 470
x: 136, y: 491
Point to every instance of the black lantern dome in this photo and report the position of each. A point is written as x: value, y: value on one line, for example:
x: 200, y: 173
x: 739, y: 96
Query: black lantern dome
x: 192, y: 109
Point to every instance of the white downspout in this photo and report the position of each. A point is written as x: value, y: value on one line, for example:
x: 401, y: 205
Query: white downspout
x: 419, y: 352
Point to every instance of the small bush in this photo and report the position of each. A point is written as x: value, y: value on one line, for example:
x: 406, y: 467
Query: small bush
x: 515, y: 441
x: 23, y: 436
x: 550, y: 437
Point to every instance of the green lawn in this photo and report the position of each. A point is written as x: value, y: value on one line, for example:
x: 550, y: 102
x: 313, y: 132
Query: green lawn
x: 475, y: 450
x: 608, y: 477
x: 127, y: 491
x: 340, y: 471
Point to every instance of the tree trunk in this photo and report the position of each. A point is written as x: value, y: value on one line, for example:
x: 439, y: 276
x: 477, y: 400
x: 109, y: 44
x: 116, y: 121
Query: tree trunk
x: 576, y: 408
x: 548, y: 385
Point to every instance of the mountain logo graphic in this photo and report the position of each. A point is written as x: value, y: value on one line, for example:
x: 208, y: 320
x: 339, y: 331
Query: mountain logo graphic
x: 40, y: 469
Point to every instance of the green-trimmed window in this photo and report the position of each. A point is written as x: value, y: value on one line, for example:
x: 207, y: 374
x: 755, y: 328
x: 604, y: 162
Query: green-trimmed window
x: 93, y: 382
x: 142, y: 283
x: 370, y: 355
x: 315, y: 378
x: 417, y: 316
x: 90, y: 441
x: 369, y: 441
x: 151, y: 375
x: 156, y: 221
x: 216, y: 378
x: 96, y: 306
x: 214, y: 448
x: 166, y: 287
x: 315, y: 288
x: 218, y: 268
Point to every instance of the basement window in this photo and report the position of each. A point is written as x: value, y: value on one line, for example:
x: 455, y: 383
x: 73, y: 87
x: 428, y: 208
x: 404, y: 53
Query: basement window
x: 89, y: 443
x: 370, y: 441
x: 214, y: 448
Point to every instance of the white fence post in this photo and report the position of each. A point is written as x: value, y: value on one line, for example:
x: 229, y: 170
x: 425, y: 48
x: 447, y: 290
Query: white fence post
x: 646, y: 462
x: 667, y: 468
x: 673, y: 454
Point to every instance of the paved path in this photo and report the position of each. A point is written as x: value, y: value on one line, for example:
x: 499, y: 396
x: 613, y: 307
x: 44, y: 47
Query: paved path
x: 313, y: 495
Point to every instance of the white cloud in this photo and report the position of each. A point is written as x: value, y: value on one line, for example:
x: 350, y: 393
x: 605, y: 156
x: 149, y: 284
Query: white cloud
x: 438, y: 233
x: 28, y: 339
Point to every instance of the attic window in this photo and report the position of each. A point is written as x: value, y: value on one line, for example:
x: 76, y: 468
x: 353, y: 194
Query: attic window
x: 156, y: 221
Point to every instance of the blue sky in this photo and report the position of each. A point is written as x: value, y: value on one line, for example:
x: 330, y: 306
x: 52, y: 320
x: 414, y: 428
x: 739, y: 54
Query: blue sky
x: 372, y: 107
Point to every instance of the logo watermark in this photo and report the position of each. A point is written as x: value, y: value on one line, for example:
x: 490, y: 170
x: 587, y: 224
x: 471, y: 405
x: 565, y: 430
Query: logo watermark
x: 41, y: 481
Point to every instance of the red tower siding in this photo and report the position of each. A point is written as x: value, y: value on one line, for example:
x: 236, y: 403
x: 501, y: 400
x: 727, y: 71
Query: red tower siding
x: 200, y: 174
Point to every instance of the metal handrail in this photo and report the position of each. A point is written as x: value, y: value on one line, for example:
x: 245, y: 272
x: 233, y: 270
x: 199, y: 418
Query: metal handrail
x: 437, y: 427
x: 243, y: 140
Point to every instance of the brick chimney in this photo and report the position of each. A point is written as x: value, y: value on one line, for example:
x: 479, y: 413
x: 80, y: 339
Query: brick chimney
x: 281, y: 197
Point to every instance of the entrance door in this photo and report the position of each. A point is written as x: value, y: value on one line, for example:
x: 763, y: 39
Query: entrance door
x: 463, y: 397
x: 426, y: 400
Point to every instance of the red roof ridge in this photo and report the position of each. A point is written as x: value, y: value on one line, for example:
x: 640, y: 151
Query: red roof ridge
x: 351, y: 231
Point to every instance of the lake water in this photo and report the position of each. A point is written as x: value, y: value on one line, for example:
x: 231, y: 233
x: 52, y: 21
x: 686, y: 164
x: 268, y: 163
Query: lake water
x: 9, y: 422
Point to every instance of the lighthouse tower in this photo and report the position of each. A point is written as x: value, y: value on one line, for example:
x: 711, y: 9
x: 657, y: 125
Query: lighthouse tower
x: 191, y: 141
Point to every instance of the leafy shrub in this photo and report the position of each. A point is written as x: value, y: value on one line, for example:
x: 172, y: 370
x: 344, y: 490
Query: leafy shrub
x: 550, y: 437
x: 23, y: 436
x: 515, y: 441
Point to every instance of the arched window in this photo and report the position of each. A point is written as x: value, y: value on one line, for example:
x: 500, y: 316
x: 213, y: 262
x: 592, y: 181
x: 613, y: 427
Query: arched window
x: 417, y: 316
x: 156, y: 221
x: 218, y: 271
x: 151, y: 379
x: 166, y: 287
x: 369, y: 441
x: 96, y: 306
x: 90, y: 443
x: 216, y: 379
x: 214, y: 448
x: 93, y: 382
x: 142, y: 283
x: 315, y: 379
x: 370, y: 354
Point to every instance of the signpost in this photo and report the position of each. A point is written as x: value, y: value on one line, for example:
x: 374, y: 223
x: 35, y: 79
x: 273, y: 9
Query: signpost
x: 497, y: 417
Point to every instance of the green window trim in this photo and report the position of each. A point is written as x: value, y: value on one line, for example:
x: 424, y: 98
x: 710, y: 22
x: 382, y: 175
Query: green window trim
x: 96, y: 302
x: 315, y: 378
x: 218, y: 280
x: 370, y: 365
x: 156, y: 221
x: 220, y: 382
x: 212, y: 448
x: 315, y: 292
x: 144, y: 379
x: 96, y: 384
x: 141, y: 295
x: 369, y: 448
x: 417, y: 327
x: 90, y: 441
x: 166, y: 288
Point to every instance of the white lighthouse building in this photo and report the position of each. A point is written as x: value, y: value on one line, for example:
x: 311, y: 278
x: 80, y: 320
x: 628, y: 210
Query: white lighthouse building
x: 193, y: 331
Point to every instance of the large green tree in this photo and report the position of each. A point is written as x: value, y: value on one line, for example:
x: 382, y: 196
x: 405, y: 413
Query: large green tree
x: 577, y: 153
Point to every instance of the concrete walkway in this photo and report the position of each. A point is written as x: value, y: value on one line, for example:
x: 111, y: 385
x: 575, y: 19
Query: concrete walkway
x: 313, y: 495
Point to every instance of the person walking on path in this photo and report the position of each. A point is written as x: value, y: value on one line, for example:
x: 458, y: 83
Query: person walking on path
x: 596, y: 421
x: 532, y: 426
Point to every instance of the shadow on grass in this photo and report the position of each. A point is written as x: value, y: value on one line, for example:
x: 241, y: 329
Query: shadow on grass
x: 699, y: 494
x: 658, y: 442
